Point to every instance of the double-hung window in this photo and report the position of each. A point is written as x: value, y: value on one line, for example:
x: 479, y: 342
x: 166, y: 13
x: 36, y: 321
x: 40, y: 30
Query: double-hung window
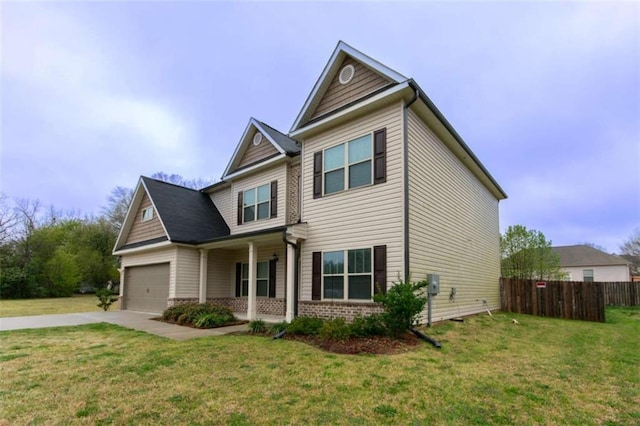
x: 256, y: 203
x: 262, y: 280
x: 348, y: 165
x: 587, y: 275
x: 351, y: 281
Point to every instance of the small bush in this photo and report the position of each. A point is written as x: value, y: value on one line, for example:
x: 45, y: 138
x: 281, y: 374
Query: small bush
x: 257, y: 326
x: 335, y: 329
x: 402, y: 303
x: 106, y: 298
x: 371, y: 325
x: 277, y: 328
x: 307, y: 326
x: 212, y: 320
x: 191, y: 313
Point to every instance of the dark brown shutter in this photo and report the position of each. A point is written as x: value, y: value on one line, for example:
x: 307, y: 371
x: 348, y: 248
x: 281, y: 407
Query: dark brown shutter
x: 238, y: 279
x: 240, y: 208
x: 274, y: 199
x: 272, y: 278
x: 380, y: 269
x: 380, y: 156
x: 317, y: 174
x: 316, y: 280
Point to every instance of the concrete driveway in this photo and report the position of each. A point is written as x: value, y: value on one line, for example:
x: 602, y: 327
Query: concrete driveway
x: 129, y: 319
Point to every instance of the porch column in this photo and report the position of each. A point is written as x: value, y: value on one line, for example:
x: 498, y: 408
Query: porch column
x: 291, y: 280
x: 251, y: 299
x: 204, y: 256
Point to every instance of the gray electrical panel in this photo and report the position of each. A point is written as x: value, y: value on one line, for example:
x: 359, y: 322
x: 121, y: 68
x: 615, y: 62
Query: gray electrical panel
x: 434, y: 284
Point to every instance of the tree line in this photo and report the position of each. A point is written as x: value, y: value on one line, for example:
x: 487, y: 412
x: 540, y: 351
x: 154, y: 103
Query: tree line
x: 45, y: 252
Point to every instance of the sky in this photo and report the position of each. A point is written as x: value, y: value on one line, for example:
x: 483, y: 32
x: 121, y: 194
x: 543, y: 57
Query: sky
x: 546, y: 94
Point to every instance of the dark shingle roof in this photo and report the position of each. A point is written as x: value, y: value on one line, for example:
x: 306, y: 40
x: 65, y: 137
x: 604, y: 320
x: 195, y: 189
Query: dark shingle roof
x: 582, y: 255
x: 290, y: 146
x: 188, y: 215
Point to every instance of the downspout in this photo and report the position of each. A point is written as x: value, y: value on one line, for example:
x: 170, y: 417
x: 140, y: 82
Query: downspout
x: 406, y: 182
x: 296, y: 247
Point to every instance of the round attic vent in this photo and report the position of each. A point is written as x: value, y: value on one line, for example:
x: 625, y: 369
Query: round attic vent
x: 257, y: 138
x: 346, y: 74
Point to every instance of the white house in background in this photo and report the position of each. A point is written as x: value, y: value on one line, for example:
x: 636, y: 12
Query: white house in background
x: 585, y: 263
x: 371, y: 184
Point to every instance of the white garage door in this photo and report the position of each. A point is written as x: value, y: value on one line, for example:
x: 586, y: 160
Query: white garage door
x: 146, y: 288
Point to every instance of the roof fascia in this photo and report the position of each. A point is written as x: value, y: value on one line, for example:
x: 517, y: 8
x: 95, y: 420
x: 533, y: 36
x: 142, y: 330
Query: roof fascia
x: 256, y: 166
x: 243, y: 142
x: 347, y: 111
x: 140, y: 249
x: 341, y: 50
x: 128, y: 219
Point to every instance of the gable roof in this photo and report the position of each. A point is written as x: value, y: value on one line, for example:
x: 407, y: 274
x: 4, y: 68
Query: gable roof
x: 187, y: 215
x: 330, y: 70
x: 281, y: 142
x: 583, y: 255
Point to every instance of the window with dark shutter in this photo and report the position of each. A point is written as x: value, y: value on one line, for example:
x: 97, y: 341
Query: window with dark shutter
x: 272, y: 278
x: 317, y: 174
x: 380, y: 156
x: 316, y: 280
x: 380, y: 269
x: 240, y: 208
x: 274, y: 198
x: 238, y: 278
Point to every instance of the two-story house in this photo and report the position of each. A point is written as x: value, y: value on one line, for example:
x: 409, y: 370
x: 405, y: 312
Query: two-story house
x: 370, y: 185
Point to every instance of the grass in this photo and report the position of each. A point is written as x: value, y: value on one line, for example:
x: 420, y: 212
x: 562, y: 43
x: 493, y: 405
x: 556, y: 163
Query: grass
x: 489, y: 371
x: 61, y: 305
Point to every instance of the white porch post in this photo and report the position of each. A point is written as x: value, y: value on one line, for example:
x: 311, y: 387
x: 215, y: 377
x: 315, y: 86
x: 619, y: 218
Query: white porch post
x: 291, y: 280
x: 204, y: 256
x: 251, y: 299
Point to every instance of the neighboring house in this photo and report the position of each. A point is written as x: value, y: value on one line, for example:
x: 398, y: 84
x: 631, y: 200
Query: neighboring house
x: 585, y: 263
x: 634, y: 265
x: 370, y: 185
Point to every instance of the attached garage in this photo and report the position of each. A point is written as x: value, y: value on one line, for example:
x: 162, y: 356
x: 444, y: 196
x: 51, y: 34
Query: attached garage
x: 146, y: 288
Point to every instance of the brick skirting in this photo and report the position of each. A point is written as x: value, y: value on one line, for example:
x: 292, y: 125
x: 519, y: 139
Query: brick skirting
x: 264, y: 306
x: 328, y: 310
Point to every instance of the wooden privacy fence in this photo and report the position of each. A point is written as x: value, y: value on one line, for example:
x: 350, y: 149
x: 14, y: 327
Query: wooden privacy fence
x: 558, y: 299
x: 621, y: 293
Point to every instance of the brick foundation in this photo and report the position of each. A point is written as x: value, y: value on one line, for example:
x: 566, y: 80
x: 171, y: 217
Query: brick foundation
x: 181, y: 301
x: 264, y: 306
x: 328, y: 310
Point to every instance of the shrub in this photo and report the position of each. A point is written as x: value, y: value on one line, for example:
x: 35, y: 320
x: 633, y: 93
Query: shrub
x: 190, y: 313
x: 106, y: 298
x: 278, y: 327
x: 212, y: 320
x: 402, y: 303
x: 371, y: 325
x: 335, y: 329
x: 307, y: 326
x: 257, y: 326
x: 174, y: 312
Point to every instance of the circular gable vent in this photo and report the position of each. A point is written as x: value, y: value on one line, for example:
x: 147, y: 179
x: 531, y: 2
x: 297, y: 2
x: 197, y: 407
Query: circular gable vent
x: 257, y: 138
x: 346, y: 74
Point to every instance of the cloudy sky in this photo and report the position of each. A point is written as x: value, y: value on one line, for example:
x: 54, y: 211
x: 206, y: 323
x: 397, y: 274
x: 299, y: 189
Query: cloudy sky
x: 94, y: 94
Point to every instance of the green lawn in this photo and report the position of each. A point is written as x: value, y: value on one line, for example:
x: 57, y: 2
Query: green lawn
x: 543, y: 371
x: 61, y: 305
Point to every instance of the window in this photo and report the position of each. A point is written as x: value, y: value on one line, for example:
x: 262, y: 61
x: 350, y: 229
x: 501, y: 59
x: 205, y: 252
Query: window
x: 348, y: 165
x: 359, y: 162
x: 147, y: 214
x: 357, y: 275
x: 262, y: 280
x: 587, y: 275
x: 256, y: 203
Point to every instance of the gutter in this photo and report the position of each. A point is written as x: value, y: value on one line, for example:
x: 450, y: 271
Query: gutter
x: 405, y: 161
x: 296, y: 247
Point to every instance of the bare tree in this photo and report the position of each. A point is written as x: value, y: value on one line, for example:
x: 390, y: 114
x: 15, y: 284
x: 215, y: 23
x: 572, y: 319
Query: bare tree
x: 631, y: 246
x: 176, y: 179
x: 8, y: 218
x: 117, y: 206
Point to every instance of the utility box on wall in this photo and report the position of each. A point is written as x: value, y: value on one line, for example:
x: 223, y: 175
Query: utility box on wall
x: 434, y: 284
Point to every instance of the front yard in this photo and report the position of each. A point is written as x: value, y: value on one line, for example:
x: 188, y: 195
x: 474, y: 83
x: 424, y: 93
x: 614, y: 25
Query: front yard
x: 543, y: 371
x: 60, y: 305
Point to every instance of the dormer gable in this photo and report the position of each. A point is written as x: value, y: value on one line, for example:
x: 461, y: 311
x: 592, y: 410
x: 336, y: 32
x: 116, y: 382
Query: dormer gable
x: 348, y: 77
x: 260, y: 143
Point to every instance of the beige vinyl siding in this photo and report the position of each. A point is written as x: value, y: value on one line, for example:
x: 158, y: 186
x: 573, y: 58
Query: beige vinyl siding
x: 262, y: 177
x: 264, y: 254
x: 361, y: 217
x: 255, y: 153
x: 453, y: 226
x: 143, y: 231
x: 187, y: 272
x: 364, y: 82
x: 600, y: 273
x: 220, y: 273
x: 226, y: 206
x: 154, y: 257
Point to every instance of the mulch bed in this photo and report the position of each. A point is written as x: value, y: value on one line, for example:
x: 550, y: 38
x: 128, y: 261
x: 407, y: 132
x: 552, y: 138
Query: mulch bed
x: 229, y: 324
x: 381, y: 345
